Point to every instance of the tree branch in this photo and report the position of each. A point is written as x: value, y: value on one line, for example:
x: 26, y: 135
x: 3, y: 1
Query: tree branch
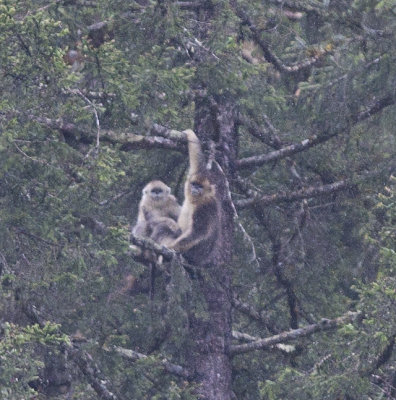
x: 81, y: 357
x: 168, y: 366
x: 244, y: 336
x: 249, y: 310
x: 148, y: 244
x: 91, y: 371
x: 271, y: 57
x: 128, y: 141
x: 311, y: 191
x: 308, y: 192
x: 302, y: 6
x: 284, y: 152
x: 323, y: 325
x: 305, y: 144
x: 190, y: 5
x: 374, y: 108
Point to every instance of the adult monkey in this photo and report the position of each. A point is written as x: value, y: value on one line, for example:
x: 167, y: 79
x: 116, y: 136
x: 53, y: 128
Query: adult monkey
x: 199, y: 218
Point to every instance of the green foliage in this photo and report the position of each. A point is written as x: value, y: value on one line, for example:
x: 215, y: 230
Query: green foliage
x: 19, y: 362
x: 67, y: 205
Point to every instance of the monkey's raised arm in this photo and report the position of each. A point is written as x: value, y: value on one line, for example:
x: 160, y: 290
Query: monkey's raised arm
x: 197, y: 163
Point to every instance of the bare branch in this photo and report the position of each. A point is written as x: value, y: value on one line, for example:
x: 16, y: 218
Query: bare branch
x: 284, y: 152
x: 302, y: 6
x: 37, y: 160
x: 308, y: 192
x: 374, y: 108
x: 188, y: 5
x: 267, y: 135
x: 131, y: 141
x: 128, y: 141
x: 323, y: 325
x: 244, y: 336
x: 92, y: 373
x: 165, y: 132
x: 312, y: 191
x: 168, y: 366
x: 305, y: 144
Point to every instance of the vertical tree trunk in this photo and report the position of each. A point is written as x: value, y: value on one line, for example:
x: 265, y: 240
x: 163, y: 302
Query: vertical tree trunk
x: 212, y: 334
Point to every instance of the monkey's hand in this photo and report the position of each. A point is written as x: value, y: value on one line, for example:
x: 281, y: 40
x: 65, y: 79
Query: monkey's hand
x: 186, y: 241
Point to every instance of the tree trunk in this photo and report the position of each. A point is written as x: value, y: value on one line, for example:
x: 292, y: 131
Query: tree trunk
x: 212, y: 333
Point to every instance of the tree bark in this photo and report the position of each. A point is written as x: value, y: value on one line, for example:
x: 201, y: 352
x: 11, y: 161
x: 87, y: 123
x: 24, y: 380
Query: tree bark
x: 211, y: 334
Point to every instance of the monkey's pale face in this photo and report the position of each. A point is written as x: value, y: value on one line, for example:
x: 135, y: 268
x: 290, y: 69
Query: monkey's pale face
x: 157, y: 194
x: 156, y: 191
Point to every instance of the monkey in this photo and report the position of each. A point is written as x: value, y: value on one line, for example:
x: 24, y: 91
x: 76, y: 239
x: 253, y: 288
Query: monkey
x: 164, y: 230
x: 157, y: 208
x: 199, y: 218
x: 158, y: 212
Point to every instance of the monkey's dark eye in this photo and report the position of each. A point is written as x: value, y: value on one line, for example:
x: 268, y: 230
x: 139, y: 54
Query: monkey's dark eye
x: 156, y: 190
x: 196, y: 186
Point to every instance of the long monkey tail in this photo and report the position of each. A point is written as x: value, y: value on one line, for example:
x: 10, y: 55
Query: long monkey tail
x: 197, y: 163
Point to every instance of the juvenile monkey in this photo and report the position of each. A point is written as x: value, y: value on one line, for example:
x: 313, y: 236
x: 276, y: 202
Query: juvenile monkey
x: 157, y: 208
x: 199, y: 218
x: 158, y: 212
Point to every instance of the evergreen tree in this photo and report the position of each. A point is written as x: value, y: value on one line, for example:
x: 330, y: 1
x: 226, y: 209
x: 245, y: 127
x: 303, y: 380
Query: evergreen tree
x: 293, y: 102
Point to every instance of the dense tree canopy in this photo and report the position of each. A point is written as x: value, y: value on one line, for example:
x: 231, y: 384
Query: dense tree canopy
x: 294, y: 103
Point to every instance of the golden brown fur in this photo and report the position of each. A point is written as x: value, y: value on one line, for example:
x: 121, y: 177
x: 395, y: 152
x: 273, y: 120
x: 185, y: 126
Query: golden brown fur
x: 199, y: 216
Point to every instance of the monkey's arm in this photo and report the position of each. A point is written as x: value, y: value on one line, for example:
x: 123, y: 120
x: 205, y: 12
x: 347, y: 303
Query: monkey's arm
x: 174, y: 208
x: 204, y: 226
x: 194, y: 152
x: 140, y: 229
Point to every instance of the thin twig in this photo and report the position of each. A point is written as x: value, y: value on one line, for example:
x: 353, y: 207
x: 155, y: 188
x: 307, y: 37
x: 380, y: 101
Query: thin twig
x: 79, y: 93
x: 236, y: 218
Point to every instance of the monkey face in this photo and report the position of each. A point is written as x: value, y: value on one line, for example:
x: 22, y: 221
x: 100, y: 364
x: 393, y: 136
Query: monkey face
x: 196, y: 189
x: 156, y: 193
x: 200, y: 188
x: 156, y: 190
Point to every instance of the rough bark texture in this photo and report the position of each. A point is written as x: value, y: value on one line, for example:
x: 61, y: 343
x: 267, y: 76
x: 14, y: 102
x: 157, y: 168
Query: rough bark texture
x: 212, y: 334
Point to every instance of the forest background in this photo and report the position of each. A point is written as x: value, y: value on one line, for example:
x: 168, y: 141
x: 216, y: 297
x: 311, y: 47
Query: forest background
x: 294, y: 102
